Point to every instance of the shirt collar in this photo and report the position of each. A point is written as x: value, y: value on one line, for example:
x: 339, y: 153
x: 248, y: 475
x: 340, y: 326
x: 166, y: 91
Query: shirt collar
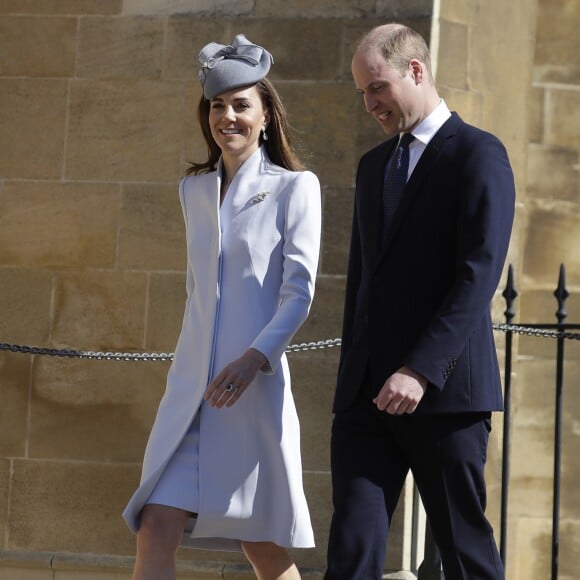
x: 426, y: 129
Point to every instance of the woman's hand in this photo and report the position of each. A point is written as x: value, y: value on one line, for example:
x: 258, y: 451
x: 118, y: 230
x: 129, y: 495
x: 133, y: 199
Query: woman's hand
x: 234, y: 379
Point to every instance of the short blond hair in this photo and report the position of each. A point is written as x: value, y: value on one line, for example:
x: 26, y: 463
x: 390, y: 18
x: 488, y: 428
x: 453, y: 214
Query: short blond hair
x: 398, y: 44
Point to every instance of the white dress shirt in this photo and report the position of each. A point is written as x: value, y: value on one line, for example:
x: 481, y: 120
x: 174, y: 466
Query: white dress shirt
x: 424, y: 132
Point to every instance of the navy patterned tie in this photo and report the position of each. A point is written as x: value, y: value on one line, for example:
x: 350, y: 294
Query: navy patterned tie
x: 395, y: 180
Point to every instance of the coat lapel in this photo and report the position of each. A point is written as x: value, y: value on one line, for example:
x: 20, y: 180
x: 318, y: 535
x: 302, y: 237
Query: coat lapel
x: 413, y: 189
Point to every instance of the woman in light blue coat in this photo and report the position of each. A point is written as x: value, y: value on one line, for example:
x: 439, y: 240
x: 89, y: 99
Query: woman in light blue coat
x: 222, y: 468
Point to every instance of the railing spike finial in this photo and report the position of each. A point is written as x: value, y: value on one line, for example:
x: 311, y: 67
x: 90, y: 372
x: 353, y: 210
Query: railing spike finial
x: 510, y: 294
x: 561, y: 293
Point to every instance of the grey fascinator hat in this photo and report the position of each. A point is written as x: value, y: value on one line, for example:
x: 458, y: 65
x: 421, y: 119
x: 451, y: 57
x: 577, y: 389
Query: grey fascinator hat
x: 239, y: 64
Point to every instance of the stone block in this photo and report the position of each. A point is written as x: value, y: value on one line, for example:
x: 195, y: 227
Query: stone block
x: 569, y: 549
x: 302, y: 55
x: 509, y: 128
x: 70, y: 506
x: 313, y: 382
x: 540, y: 306
x: 68, y: 566
x: 32, y: 128
x: 536, y: 394
x: 100, y: 574
x: 491, y: 66
x: 337, y: 225
x: 531, y: 471
x: 186, y: 36
x: 48, y: 224
x: 93, y: 410
x: 194, y: 147
x: 9, y: 573
x: 491, y: 69
x: 552, y: 238
x: 25, y: 565
x: 533, y: 395
x: 399, y: 9
x: 553, y: 173
x: 190, y: 561
x: 468, y: 104
x: 113, y: 47
x: 556, y: 47
x: 570, y: 494
x: 25, y: 306
x: 531, y: 552
x: 99, y: 310
x: 204, y: 571
x: 237, y: 572
x: 33, y: 46
x: 465, y: 11
x: 536, y: 98
x: 452, y: 66
x: 165, y: 310
x: 325, y: 318
x: 568, y: 74
x: 61, y: 6
x: 124, y: 130
x: 321, y: 8
x: 563, y: 119
x: 14, y: 394
x: 326, y: 139
x: 152, y: 232
x: 215, y: 8
x: 5, y: 465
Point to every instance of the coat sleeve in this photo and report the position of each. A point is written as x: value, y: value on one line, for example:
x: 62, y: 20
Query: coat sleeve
x: 485, y: 216
x: 300, y: 253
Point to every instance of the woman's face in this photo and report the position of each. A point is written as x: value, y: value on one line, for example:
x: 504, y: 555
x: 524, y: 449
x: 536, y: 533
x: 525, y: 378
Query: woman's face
x: 236, y: 119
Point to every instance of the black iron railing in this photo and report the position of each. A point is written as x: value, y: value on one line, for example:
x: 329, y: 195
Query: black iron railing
x: 561, y: 331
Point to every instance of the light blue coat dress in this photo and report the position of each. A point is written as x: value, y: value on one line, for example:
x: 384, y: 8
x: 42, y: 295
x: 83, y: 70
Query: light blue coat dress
x: 250, y: 281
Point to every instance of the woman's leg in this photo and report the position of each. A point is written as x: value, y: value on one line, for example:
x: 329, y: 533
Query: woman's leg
x: 270, y: 561
x: 158, y: 537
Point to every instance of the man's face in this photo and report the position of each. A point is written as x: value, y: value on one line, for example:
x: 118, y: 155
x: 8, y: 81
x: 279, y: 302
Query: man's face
x: 393, y: 100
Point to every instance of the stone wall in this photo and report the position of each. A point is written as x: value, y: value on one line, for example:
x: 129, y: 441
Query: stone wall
x: 97, y: 124
x: 513, y: 69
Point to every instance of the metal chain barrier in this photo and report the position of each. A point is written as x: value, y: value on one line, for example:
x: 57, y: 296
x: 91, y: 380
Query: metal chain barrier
x: 139, y: 356
x: 300, y: 347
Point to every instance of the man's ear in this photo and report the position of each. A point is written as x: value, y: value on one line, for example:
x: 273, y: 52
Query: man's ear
x: 417, y: 70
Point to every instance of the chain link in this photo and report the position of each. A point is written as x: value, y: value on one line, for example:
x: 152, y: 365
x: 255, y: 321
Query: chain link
x: 531, y: 331
x: 300, y: 347
x: 139, y: 356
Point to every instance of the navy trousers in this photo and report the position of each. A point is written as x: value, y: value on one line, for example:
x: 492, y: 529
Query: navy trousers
x: 371, y: 454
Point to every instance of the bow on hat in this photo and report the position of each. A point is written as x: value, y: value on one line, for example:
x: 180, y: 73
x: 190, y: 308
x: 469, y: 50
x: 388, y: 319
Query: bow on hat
x: 225, y: 68
x: 240, y: 49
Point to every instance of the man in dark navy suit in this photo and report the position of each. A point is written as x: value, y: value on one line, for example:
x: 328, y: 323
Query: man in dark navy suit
x: 418, y: 375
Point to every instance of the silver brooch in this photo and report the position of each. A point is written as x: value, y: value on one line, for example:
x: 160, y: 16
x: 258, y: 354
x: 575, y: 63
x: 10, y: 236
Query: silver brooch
x: 259, y: 197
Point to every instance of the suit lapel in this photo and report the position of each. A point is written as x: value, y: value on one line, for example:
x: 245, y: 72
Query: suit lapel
x: 371, y: 203
x: 426, y: 164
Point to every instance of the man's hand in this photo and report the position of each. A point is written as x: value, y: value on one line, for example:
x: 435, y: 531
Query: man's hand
x: 401, y: 392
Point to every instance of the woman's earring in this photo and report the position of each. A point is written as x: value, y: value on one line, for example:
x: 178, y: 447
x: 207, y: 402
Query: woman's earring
x: 264, y: 134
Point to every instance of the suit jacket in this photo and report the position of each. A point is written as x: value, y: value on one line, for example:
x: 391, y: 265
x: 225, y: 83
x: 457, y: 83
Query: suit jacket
x: 421, y: 298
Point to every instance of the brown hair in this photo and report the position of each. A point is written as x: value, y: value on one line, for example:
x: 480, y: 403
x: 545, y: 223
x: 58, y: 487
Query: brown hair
x: 278, y: 146
x: 398, y: 44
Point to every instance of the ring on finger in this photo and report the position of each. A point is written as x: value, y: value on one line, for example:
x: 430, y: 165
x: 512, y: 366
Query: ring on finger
x: 231, y: 387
